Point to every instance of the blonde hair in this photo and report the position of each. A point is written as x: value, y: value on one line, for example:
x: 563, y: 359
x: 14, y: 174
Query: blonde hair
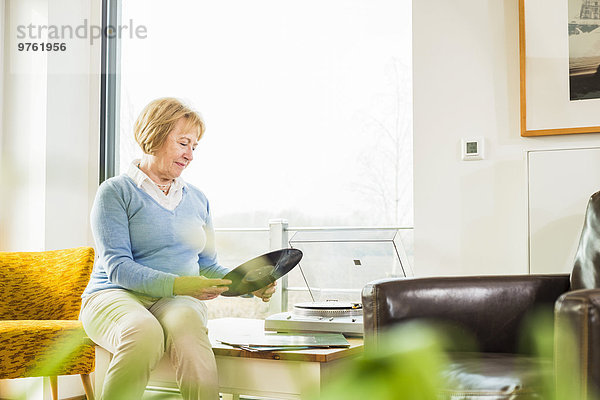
x: 157, y: 120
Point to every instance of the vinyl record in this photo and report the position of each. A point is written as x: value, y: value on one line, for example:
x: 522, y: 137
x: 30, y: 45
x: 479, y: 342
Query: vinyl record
x: 260, y: 271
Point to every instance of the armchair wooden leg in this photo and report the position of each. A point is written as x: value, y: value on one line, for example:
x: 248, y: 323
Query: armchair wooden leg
x: 54, y: 387
x: 87, y: 386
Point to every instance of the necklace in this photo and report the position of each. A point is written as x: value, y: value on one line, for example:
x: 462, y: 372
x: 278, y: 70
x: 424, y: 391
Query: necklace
x: 163, y: 188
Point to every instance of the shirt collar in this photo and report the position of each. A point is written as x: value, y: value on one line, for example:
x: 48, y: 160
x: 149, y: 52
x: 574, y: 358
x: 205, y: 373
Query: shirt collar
x: 139, y: 177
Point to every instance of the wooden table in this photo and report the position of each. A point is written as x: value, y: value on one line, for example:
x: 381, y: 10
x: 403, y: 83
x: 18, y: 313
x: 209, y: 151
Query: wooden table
x: 280, y: 375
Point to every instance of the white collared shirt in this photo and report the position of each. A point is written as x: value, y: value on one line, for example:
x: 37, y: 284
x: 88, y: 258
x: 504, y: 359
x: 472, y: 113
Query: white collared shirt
x: 169, y: 201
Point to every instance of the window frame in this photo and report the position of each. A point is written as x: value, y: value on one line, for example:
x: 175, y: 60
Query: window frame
x: 109, y: 86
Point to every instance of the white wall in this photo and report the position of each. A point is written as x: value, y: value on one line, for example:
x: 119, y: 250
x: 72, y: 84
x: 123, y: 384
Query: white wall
x: 24, y: 134
x: 557, y: 204
x: 471, y: 216
x: 2, y: 201
x: 50, y: 130
x: 49, y: 140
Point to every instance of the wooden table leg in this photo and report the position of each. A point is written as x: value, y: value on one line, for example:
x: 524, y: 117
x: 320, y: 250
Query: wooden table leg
x: 87, y: 386
x: 54, y: 387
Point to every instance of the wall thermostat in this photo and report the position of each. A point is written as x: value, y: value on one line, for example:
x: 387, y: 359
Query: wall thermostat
x: 472, y: 149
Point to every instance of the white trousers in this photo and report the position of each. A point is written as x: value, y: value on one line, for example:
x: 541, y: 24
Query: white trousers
x: 138, y: 330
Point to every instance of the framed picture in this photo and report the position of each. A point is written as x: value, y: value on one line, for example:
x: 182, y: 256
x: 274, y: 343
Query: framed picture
x: 560, y: 66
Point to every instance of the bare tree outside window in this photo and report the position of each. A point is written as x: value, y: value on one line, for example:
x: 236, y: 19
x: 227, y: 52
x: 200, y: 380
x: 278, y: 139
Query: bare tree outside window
x: 387, y: 160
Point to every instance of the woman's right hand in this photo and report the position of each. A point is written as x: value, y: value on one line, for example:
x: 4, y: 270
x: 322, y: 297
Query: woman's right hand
x: 199, y: 287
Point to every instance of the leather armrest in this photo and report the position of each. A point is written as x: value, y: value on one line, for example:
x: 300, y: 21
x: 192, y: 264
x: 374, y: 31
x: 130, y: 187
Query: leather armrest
x: 577, y: 344
x: 488, y: 308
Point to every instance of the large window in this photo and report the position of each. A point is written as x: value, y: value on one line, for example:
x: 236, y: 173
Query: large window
x: 307, y: 106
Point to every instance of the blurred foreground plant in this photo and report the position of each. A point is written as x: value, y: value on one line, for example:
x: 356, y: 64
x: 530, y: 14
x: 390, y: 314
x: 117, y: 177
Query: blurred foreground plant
x: 410, y: 360
x: 406, y: 365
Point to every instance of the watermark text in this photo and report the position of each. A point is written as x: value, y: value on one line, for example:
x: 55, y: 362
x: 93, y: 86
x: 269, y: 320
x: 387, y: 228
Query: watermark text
x: 85, y: 30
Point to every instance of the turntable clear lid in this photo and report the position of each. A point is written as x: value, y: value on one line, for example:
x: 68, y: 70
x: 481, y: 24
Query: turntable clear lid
x: 338, y: 263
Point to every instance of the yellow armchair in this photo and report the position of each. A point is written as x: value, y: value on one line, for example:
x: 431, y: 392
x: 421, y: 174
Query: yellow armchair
x: 40, y: 298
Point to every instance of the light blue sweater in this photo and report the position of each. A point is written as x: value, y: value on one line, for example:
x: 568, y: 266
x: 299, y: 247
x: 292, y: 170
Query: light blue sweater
x: 142, y: 246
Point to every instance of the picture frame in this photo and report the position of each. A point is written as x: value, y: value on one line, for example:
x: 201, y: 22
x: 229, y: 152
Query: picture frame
x: 546, y: 107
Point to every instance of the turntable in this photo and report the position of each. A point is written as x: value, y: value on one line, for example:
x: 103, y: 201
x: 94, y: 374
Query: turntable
x: 336, y: 265
x: 328, y: 316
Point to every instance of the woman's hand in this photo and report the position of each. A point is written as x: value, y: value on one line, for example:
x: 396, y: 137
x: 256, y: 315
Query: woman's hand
x: 266, y: 292
x: 199, y: 287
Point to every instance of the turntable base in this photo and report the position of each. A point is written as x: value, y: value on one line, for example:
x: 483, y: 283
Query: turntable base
x: 351, y: 326
x: 331, y: 316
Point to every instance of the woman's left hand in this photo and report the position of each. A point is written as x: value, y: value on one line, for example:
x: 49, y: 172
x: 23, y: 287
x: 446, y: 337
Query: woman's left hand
x: 266, y: 292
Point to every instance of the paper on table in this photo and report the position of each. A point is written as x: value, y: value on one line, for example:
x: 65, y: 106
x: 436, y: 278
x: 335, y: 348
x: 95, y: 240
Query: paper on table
x: 313, y: 340
x: 274, y: 348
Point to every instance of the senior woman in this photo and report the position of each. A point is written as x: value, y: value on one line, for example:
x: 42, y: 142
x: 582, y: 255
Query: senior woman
x: 156, y: 262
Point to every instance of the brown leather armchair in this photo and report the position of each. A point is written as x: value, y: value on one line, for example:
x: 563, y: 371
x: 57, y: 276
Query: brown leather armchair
x: 489, y: 309
x: 580, y: 310
x: 493, y: 310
